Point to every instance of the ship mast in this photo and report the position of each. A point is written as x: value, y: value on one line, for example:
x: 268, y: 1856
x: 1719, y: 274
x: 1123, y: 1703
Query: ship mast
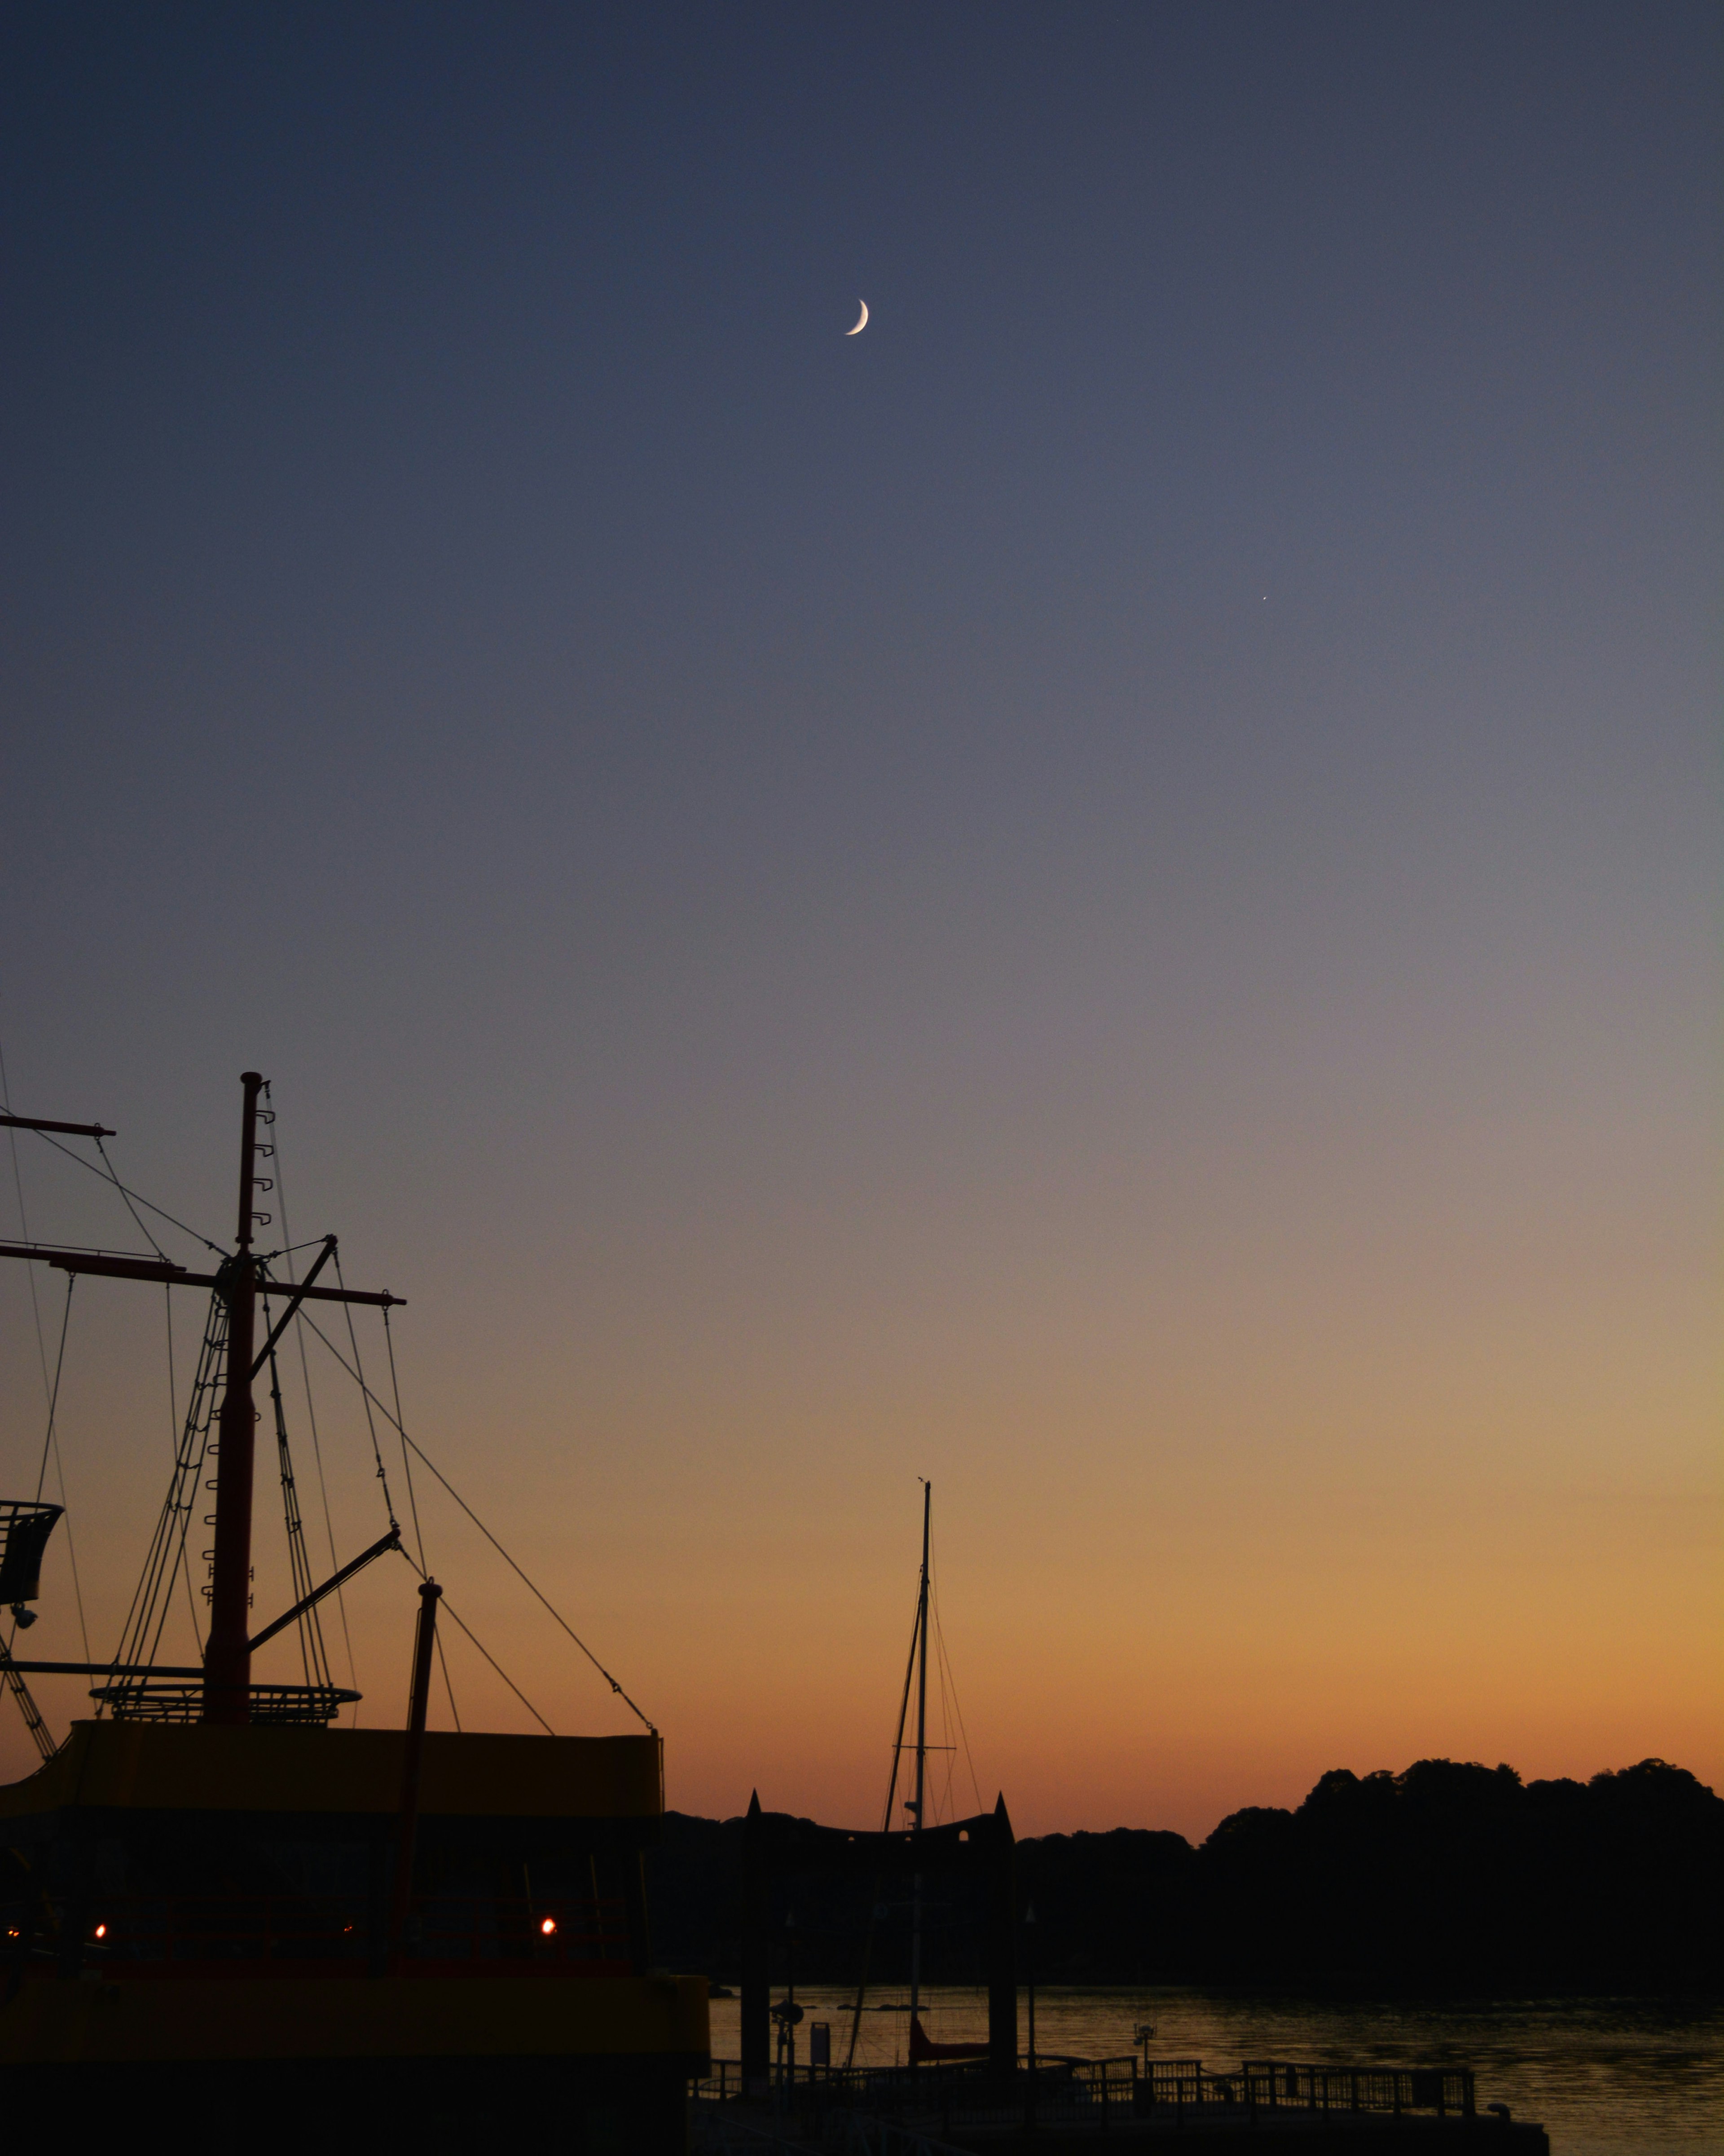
x: 226, y: 1663
x: 921, y: 1765
x: 226, y: 1658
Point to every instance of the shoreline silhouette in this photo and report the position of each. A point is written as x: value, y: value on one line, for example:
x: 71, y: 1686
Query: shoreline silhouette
x: 1447, y: 1878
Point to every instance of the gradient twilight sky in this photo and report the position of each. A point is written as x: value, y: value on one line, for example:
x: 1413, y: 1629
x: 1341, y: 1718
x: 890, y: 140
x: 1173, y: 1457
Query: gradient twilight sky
x: 1106, y: 892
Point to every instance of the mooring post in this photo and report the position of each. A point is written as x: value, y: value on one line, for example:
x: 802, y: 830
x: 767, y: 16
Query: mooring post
x: 757, y: 1973
x: 1030, y: 1978
x: 1003, y: 1947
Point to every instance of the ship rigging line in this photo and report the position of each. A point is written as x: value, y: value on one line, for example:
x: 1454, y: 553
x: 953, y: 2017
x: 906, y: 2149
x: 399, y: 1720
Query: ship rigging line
x: 126, y: 1200
x: 107, y: 1174
x: 366, y: 1392
x: 335, y: 1563
x: 311, y: 1415
x: 885, y: 1828
x: 377, y: 1453
x: 128, y: 1194
x: 406, y: 1465
x: 407, y: 1469
x: 23, y: 1219
x: 534, y: 1591
x: 948, y: 1686
x: 51, y: 1441
x: 444, y: 1605
x: 323, y: 1493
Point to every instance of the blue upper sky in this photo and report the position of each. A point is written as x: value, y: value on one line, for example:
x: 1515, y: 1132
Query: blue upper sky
x: 1184, y: 752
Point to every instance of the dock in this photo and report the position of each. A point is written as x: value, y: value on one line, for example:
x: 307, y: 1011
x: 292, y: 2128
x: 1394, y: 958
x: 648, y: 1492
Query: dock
x: 1066, y: 2106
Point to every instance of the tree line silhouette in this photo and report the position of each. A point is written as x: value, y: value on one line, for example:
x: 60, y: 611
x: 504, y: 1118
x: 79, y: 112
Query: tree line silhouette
x: 1448, y: 1877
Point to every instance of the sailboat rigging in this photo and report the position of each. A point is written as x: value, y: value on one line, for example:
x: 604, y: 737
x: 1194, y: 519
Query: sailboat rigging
x: 915, y: 1676
x: 921, y: 1763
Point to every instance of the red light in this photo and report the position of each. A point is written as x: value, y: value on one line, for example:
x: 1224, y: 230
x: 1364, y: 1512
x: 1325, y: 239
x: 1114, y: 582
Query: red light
x: 101, y: 1931
x: 548, y: 1927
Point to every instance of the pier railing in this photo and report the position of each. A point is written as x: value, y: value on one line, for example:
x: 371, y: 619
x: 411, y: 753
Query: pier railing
x: 1079, y: 2091
x: 1445, y: 2090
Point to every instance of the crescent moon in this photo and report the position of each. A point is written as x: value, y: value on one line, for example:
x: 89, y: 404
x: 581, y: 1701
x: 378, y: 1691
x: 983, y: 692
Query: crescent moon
x: 862, y: 323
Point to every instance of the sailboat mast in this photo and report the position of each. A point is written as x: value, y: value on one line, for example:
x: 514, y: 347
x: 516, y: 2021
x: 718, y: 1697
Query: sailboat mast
x: 226, y: 1660
x: 922, y: 1762
x: 886, y: 1827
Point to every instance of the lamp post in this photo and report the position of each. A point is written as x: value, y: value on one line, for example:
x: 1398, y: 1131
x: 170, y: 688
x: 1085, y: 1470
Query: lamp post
x: 1029, y: 1980
x: 791, y: 2017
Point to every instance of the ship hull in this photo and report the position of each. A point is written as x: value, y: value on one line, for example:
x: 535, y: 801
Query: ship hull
x: 212, y: 1921
x: 591, y: 2065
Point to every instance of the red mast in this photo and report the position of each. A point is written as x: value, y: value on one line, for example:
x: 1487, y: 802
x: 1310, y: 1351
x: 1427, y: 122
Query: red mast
x: 227, y: 1658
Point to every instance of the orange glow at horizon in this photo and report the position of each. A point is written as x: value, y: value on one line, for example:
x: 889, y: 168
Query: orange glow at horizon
x: 1182, y: 1564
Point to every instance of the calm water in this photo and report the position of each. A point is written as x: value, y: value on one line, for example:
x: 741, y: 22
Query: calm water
x: 1606, y: 2077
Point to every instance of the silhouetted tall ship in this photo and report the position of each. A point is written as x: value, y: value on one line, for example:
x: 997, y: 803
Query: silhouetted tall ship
x: 214, y: 1897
